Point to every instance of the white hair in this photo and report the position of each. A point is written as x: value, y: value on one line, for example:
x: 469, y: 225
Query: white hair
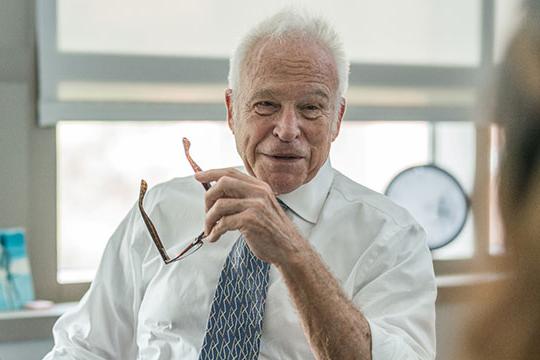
x: 286, y: 23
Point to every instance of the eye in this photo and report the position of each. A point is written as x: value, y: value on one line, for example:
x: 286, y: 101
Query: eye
x: 311, y: 111
x: 266, y: 108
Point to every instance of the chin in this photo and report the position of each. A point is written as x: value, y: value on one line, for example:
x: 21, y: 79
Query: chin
x: 284, y: 188
x: 283, y: 183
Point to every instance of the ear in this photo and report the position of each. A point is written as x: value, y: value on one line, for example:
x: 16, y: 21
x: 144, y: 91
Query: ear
x: 341, y: 112
x: 229, y: 106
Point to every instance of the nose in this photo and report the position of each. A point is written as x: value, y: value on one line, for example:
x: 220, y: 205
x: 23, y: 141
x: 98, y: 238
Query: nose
x: 287, y: 127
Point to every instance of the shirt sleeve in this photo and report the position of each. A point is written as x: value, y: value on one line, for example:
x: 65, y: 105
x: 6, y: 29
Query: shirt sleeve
x: 103, y: 324
x: 396, y: 292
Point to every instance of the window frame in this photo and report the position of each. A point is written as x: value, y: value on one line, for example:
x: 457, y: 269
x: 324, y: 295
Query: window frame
x: 148, y: 69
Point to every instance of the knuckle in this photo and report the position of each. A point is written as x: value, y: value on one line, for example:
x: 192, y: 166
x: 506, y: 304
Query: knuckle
x: 217, y: 231
x: 219, y: 204
x: 267, y: 188
x: 218, y: 226
x: 270, y: 197
x: 224, y: 222
x: 209, y: 195
x: 258, y: 203
x: 223, y: 182
x: 206, y: 204
x: 266, y: 192
x: 251, y: 214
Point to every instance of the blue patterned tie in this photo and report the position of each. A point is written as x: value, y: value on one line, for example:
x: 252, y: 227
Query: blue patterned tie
x: 234, y: 327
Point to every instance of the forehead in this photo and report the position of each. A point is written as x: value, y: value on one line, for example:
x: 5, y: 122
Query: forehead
x: 291, y: 65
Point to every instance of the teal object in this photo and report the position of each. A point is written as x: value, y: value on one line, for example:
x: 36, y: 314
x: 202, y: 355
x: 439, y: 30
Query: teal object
x: 16, y: 286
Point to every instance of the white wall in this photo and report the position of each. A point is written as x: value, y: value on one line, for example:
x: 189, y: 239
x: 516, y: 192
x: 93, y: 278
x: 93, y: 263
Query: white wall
x: 27, y: 158
x: 27, y: 153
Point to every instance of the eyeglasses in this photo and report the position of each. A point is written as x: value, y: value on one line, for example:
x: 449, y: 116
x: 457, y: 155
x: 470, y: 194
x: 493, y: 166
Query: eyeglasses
x: 197, y: 242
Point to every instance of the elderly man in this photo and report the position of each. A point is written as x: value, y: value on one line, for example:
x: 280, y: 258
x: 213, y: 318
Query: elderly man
x: 300, y: 262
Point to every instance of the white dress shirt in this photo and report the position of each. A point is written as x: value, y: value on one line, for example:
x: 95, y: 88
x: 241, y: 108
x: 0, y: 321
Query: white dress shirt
x: 139, y: 308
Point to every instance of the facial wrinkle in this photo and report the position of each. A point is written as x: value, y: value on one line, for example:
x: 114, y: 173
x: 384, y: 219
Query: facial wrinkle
x: 288, y: 58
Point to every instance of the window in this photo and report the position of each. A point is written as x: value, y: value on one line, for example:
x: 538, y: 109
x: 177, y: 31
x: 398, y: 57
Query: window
x: 100, y: 165
x: 122, y: 82
x: 437, y: 32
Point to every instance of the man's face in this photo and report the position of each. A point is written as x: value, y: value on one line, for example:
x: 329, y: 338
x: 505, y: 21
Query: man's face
x: 286, y: 113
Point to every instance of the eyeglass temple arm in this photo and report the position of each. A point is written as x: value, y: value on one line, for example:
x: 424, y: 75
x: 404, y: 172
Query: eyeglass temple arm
x: 192, y: 162
x: 150, y: 226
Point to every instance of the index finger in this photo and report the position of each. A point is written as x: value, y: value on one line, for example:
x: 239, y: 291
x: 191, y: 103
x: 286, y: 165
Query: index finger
x: 216, y: 174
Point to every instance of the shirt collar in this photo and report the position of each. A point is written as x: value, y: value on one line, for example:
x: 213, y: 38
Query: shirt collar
x: 308, y: 200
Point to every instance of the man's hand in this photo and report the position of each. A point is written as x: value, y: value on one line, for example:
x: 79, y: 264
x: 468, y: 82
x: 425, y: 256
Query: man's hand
x: 241, y: 202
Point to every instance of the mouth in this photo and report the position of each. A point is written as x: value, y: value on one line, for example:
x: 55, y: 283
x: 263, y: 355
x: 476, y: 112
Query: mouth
x: 284, y: 157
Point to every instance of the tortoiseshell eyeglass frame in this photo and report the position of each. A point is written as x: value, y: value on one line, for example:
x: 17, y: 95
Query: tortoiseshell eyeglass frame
x: 196, y: 243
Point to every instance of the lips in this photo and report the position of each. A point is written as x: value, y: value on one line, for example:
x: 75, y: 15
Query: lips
x: 283, y: 159
x: 285, y: 156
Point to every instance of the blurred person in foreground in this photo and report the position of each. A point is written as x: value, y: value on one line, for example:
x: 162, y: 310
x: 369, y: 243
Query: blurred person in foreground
x: 510, y: 329
x: 299, y: 261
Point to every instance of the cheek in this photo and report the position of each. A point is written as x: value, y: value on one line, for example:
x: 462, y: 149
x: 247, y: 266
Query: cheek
x: 320, y: 142
x: 320, y: 138
x: 249, y: 133
x: 260, y: 128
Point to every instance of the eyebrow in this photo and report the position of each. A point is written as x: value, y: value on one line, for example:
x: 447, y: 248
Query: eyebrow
x: 264, y: 93
x: 320, y: 93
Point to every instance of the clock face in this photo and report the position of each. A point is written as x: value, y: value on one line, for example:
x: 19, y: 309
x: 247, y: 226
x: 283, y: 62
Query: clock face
x: 435, y: 199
